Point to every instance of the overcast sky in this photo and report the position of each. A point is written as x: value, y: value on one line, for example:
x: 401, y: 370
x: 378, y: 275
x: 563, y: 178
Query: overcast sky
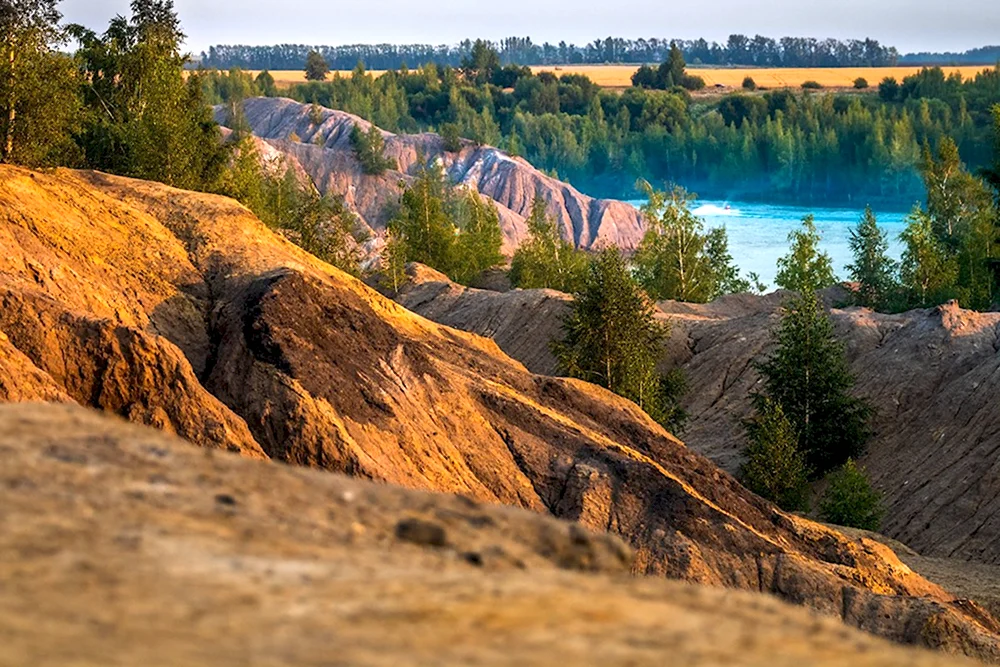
x: 909, y: 25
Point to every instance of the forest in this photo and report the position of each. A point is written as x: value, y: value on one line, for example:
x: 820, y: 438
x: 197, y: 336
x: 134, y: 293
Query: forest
x: 800, y: 147
x: 757, y: 51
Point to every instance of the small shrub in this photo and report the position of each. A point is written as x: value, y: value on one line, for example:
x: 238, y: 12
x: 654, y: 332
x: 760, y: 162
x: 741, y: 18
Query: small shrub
x: 850, y: 499
x: 812, y: 85
x: 368, y: 148
x: 749, y: 83
x: 315, y: 115
x: 692, y: 82
x: 861, y: 83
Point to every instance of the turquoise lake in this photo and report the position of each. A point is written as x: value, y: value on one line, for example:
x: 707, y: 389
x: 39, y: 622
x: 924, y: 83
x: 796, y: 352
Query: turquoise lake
x: 758, y: 233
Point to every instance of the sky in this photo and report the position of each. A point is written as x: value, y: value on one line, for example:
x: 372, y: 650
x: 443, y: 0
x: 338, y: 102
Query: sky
x: 909, y: 25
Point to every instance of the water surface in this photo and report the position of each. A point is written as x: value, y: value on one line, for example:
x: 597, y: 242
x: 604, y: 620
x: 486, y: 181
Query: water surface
x: 758, y: 233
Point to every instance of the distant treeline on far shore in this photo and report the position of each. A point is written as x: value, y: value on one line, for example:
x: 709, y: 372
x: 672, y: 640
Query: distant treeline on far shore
x: 737, y: 51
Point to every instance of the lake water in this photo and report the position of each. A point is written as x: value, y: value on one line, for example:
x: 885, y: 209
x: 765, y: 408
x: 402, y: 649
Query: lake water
x: 758, y: 233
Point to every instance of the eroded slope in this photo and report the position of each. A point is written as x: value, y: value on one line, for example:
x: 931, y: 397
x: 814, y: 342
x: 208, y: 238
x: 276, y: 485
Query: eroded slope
x: 932, y: 374
x: 244, y: 330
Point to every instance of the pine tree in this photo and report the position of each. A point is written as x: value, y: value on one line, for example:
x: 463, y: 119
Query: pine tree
x: 850, y: 499
x: 316, y: 67
x: 773, y: 466
x: 480, y: 240
x: 545, y: 259
x: 612, y: 338
x: 805, y: 268
x: 807, y: 375
x: 39, y: 107
x: 872, y: 269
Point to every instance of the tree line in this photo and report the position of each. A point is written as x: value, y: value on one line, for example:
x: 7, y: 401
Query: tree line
x: 802, y: 147
x: 984, y: 55
x: 757, y: 51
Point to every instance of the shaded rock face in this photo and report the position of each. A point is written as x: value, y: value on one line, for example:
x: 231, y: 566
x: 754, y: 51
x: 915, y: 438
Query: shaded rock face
x: 122, y: 541
x: 933, y: 376
x: 197, y: 314
x: 324, y: 152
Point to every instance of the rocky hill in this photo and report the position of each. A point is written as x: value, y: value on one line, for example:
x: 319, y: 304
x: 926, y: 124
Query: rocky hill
x: 182, y: 311
x: 933, y: 375
x: 124, y: 546
x: 324, y: 152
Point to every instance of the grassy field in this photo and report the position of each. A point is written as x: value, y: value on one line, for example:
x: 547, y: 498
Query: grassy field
x: 619, y: 76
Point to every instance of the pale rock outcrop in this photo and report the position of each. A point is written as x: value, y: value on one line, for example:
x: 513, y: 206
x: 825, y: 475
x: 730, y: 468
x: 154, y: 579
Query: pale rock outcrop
x: 324, y: 152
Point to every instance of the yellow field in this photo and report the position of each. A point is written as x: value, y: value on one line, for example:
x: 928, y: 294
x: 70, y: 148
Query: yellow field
x: 619, y: 76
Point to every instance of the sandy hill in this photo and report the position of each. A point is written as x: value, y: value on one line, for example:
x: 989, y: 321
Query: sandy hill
x: 182, y: 311
x: 324, y: 152
x: 124, y: 546
x: 933, y: 375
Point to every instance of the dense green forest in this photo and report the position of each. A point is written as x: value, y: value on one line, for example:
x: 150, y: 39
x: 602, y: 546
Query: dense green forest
x: 782, y: 145
x: 757, y: 51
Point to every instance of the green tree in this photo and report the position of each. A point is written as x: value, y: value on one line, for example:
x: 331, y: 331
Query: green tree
x: 423, y: 222
x: 142, y: 119
x: 928, y: 272
x: 963, y: 215
x: 671, y: 72
x: 773, y: 466
x: 482, y: 63
x: 676, y: 259
x: 808, y: 376
x: 451, y: 139
x: 480, y: 240
x: 393, y: 261
x: 805, y: 268
x: 872, y: 269
x: 749, y: 84
x: 888, y: 89
x: 324, y: 227
x: 850, y: 499
x: 266, y: 85
x: 545, y: 259
x: 316, y: 67
x: 991, y: 174
x: 612, y: 338
x: 726, y: 275
x: 321, y: 225
x: 369, y: 149
x: 244, y: 180
x: 39, y: 107
x: 861, y: 83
